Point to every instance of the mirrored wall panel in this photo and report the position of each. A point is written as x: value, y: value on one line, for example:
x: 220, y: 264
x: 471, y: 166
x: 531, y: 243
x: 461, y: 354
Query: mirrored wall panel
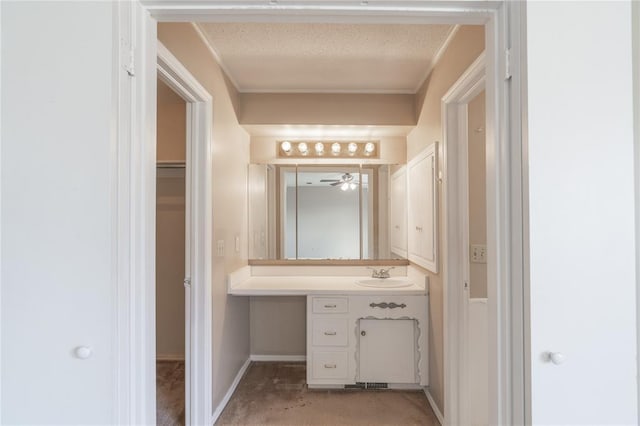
x: 336, y: 212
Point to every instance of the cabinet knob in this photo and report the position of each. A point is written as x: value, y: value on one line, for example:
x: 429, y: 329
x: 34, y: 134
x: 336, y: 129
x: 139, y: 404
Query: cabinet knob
x: 363, y: 333
x: 83, y: 352
x: 556, y: 357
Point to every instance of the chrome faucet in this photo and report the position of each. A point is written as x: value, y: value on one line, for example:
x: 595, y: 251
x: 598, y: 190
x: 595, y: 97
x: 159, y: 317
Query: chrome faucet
x: 382, y: 273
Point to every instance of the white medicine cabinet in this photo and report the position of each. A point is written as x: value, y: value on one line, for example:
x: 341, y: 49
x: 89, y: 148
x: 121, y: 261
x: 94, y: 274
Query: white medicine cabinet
x: 398, y: 212
x: 422, y: 201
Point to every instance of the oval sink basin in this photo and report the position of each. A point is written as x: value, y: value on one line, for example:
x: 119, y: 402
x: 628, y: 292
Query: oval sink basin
x: 384, y: 283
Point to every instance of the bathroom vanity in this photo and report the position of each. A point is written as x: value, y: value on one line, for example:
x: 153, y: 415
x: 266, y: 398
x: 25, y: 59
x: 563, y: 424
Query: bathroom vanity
x: 361, y: 331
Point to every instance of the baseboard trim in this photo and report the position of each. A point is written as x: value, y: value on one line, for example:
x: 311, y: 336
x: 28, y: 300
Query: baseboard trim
x: 434, y: 407
x: 230, y: 391
x: 282, y: 358
x: 169, y: 357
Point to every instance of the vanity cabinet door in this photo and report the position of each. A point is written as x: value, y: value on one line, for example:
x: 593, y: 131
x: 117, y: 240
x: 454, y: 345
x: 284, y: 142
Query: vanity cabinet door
x: 423, y: 209
x: 387, y: 351
x: 398, y: 212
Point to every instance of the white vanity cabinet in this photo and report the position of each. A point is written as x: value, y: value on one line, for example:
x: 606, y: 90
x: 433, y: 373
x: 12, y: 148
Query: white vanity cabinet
x: 422, y: 200
x: 393, y: 349
x: 328, y: 340
x: 398, y: 212
x: 387, y: 351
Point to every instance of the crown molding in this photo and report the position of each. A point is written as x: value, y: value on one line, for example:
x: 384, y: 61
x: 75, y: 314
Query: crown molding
x: 436, y: 58
x: 216, y: 55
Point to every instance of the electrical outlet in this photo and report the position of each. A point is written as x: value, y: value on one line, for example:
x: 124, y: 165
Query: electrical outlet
x: 220, y: 248
x: 478, y: 253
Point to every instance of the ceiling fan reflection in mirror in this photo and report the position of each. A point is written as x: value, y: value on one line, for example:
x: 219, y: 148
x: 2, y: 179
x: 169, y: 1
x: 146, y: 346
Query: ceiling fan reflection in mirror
x: 345, y: 183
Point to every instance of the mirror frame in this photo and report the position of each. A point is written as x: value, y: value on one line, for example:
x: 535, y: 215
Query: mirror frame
x: 319, y: 262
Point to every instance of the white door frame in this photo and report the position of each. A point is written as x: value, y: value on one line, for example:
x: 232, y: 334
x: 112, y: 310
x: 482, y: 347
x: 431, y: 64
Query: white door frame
x: 140, y: 61
x: 134, y: 181
x: 198, y: 218
x: 456, y: 225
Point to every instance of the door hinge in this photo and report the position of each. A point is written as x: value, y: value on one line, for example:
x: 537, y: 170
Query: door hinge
x: 187, y: 282
x: 130, y: 66
x: 507, y: 64
x: 466, y: 285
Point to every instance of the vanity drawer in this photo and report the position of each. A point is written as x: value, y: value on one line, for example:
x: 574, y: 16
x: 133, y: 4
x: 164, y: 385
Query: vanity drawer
x: 330, y: 305
x: 389, y: 306
x: 329, y: 365
x: 330, y: 332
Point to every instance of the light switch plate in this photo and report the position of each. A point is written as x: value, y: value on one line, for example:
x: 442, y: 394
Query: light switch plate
x: 478, y: 253
x: 237, y: 244
x: 220, y: 247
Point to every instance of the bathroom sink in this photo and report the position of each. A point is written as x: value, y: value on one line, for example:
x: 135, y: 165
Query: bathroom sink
x: 384, y: 283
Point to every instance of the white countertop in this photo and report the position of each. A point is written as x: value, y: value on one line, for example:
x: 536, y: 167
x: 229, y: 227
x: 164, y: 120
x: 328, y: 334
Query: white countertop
x: 242, y: 283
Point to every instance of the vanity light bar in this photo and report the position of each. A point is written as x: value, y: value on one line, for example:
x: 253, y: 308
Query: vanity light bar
x: 327, y: 149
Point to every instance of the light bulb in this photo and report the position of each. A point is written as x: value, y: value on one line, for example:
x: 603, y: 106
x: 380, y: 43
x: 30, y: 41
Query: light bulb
x: 286, y: 147
x: 369, y: 148
x: 303, y: 148
x: 344, y: 186
x: 352, y: 186
x: 335, y: 148
x: 352, y: 148
x: 319, y: 148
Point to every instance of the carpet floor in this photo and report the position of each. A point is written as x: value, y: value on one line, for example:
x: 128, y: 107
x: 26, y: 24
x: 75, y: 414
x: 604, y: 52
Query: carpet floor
x: 170, y: 393
x: 275, y: 393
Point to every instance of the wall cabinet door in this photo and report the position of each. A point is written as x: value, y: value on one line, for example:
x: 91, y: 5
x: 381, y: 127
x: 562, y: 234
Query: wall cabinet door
x: 398, y: 212
x: 387, y: 351
x: 423, y: 209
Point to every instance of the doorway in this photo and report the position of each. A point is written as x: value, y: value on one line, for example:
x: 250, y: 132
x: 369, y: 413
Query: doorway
x: 506, y: 403
x: 171, y: 260
x: 196, y: 172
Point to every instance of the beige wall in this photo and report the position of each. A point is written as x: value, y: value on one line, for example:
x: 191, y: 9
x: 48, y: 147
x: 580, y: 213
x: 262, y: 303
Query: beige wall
x: 477, y: 192
x: 278, y: 325
x: 172, y: 125
x: 170, y: 211
x: 170, y: 320
x: 332, y: 109
x: 230, y: 159
x: 465, y: 47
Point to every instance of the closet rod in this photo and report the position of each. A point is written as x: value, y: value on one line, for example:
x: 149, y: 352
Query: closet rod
x: 170, y: 164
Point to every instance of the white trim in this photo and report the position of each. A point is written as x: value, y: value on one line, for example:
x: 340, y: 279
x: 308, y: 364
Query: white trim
x: 434, y: 406
x: 1, y: 340
x: 169, y: 357
x: 275, y: 358
x: 133, y: 221
x: 227, y: 396
x: 436, y: 58
x: 322, y: 11
x: 455, y: 241
x: 333, y: 91
x: 635, y: 40
x: 198, y: 368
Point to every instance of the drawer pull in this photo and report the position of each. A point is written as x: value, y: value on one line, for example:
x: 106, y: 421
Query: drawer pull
x: 385, y: 305
x: 330, y: 366
x: 330, y: 306
x: 329, y: 333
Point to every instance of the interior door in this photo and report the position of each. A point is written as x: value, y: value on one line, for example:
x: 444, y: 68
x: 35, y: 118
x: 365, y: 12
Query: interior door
x: 582, y: 258
x: 387, y: 351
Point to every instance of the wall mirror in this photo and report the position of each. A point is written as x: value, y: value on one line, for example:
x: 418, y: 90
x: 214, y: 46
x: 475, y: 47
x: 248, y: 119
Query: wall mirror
x: 320, y: 213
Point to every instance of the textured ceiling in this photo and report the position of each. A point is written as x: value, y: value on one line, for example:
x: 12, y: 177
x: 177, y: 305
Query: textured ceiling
x: 261, y: 57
